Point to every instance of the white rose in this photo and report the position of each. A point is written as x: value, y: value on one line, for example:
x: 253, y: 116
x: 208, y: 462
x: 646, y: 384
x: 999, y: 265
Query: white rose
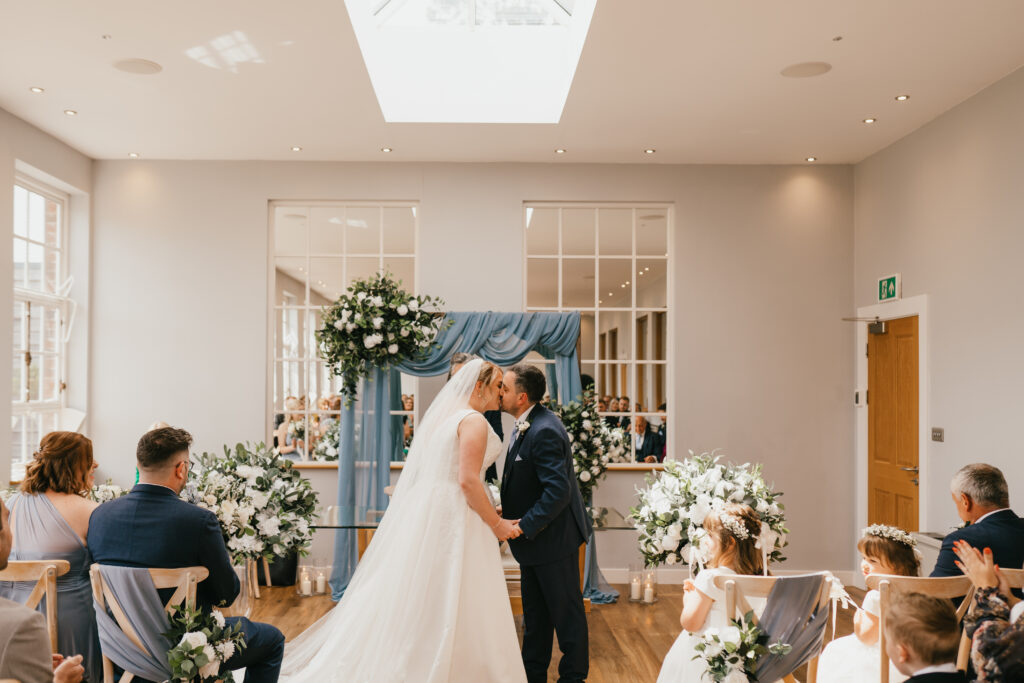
x: 346, y: 314
x: 339, y: 324
x: 404, y: 332
x: 730, y: 634
x: 393, y: 349
x: 357, y: 317
x: 762, y: 507
x: 349, y: 327
x: 194, y: 639
x: 414, y: 305
x: 361, y: 295
x: 588, y: 425
x: 369, y: 341
x: 584, y: 476
x: 378, y: 322
x: 671, y: 559
x: 218, y: 618
x: 260, y: 499
x: 736, y: 676
x: 378, y: 301
x: 402, y: 309
x: 669, y: 543
x: 210, y: 499
x: 269, y: 526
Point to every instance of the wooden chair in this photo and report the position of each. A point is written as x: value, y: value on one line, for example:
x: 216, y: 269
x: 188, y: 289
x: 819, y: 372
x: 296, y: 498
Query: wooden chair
x: 183, y: 580
x: 738, y: 587
x: 513, y: 579
x: 939, y: 587
x: 44, y: 573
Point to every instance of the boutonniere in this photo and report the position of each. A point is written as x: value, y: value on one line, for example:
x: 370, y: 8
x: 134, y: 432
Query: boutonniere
x: 522, y: 426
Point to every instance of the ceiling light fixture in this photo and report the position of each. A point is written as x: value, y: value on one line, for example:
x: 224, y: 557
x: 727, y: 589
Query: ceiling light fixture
x: 559, y: 151
x: 133, y: 155
x: 648, y: 267
x: 36, y: 89
x: 902, y: 98
x: 649, y: 150
x: 70, y: 112
x: 296, y: 148
x: 836, y: 39
x: 812, y: 159
x: 870, y: 119
x: 386, y: 150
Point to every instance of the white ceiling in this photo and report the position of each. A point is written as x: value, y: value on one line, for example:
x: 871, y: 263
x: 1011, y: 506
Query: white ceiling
x: 696, y: 79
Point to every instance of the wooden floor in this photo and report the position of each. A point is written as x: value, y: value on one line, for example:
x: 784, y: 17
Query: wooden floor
x: 627, y: 640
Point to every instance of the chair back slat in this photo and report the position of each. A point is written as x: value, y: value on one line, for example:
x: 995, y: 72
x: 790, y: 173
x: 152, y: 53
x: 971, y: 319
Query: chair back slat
x: 44, y: 573
x: 947, y: 587
x: 1015, y: 577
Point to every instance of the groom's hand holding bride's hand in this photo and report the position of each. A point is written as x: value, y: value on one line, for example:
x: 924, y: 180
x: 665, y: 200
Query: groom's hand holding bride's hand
x: 505, y: 529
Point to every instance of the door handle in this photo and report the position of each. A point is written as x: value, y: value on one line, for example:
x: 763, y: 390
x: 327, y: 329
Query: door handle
x: 910, y: 469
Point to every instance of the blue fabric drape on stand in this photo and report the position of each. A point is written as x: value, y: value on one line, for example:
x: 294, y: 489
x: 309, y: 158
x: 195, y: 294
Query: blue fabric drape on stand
x: 503, y: 339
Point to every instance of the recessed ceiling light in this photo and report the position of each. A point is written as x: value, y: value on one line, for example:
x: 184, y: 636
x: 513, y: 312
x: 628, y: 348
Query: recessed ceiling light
x: 836, y: 39
x: 812, y: 159
x: 649, y: 151
x: 106, y: 36
x: 902, y: 98
x: 36, y: 89
x: 296, y: 148
x: 70, y: 112
x: 559, y: 151
x: 133, y: 155
x: 385, y: 149
x: 870, y: 119
x: 648, y: 267
x: 142, y: 67
x: 806, y: 69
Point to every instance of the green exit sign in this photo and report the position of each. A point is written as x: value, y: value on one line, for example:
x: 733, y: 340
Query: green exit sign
x: 890, y: 288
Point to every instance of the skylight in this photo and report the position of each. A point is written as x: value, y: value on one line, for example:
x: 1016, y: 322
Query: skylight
x: 471, y: 61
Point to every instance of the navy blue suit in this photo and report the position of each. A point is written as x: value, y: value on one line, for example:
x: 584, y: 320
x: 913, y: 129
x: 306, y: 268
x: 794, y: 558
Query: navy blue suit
x: 653, y: 445
x: 539, y: 489
x: 938, y: 677
x: 152, y: 527
x: 1001, y: 531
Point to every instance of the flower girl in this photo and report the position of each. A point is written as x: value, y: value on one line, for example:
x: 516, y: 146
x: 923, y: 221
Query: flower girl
x: 730, y: 546
x: 855, y: 658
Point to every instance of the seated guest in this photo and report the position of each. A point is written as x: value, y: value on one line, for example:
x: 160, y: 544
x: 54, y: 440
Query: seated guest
x: 982, y: 500
x: 648, y: 445
x: 602, y: 407
x: 613, y: 407
x: 994, y: 623
x: 153, y: 527
x: 922, y: 636
x: 624, y: 408
x: 289, y: 443
x: 24, y: 640
x: 50, y: 520
x: 663, y: 429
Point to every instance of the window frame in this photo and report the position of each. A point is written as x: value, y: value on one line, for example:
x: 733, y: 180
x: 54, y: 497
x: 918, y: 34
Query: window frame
x: 613, y: 336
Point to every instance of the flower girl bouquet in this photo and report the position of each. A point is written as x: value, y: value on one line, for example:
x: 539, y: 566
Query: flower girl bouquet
x: 732, y: 653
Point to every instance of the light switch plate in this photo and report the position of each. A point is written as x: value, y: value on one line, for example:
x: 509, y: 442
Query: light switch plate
x: 938, y: 434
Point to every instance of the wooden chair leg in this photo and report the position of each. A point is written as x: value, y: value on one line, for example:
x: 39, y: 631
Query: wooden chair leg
x: 51, y: 606
x: 812, y: 670
x: 254, y: 576
x: 266, y: 571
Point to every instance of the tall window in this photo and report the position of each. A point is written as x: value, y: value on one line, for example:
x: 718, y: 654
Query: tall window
x: 41, y: 317
x: 611, y: 263
x: 318, y: 249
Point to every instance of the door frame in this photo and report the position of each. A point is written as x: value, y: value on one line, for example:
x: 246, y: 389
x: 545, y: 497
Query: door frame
x: 917, y: 305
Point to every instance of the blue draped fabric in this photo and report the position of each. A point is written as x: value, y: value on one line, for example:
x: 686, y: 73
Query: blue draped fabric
x: 364, y: 459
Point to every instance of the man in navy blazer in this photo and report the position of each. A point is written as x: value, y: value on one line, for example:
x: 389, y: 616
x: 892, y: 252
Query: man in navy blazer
x: 982, y: 500
x: 539, y: 490
x: 153, y: 527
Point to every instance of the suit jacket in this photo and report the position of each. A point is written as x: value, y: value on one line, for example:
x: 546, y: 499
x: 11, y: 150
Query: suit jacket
x: 24, y: 644
x: 1001, y: 531
x: 937, y: 677
x: 493, y: 418
x: 152, y: 527
x: 652, y: 446
x: 539, y: 489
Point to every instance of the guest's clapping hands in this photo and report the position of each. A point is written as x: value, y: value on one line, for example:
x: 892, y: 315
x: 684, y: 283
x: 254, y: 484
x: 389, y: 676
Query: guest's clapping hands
x: 982, y: 570
x: 67, y: 670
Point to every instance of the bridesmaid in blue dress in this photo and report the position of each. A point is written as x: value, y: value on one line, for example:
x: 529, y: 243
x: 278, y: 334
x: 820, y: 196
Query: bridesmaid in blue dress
x: 50, y: 518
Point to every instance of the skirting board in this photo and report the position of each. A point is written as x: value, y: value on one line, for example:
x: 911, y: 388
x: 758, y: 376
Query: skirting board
x: 675, y: 575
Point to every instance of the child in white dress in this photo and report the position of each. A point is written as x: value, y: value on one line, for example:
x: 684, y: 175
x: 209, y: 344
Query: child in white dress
x: 730, y: 543
x: 855, y: 658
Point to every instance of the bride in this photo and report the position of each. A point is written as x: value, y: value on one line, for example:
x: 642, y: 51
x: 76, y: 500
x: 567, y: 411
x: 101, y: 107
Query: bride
x: 428, y: 602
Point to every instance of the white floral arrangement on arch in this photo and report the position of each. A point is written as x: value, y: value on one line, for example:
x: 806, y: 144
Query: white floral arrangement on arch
x: 376, y: 323
x: 670, y: 512
x: 594, y: 444
x: 326, y: 449
x: 264, y: 506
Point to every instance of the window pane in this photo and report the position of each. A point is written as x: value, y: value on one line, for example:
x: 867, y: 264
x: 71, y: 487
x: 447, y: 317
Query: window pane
x: 35, y: 328
x: 652, y: 283
x: 404, y: 271
x: 34, y: 379
x: 616, y: 326
x: 20, y: 262
x: 35, y: 267
x: 360, y: 268
x: 616, y: 289
x: 362, y: 229
x: 290, y: 225
x: 615, y: 227
x: 289, y: 381
x: 18, y: 341
x: 578, y: 233
x: 651, y: 385
x: 652, y: 232
x: 399, y: 230
x: 541, y: 232
x: 20, y: 211
x: 50, y: 372
x: 53, y: 224
x: 327, y: 226
x: 289, y: 281
x: 51, y: 330
x: 541, y: 283
x: 36, y: 217
x: 578, y: 283
x: 17, y: 367
x: 52, y: 271
x: 326, y: 281
x: 586, y: 343
x: 588, y: 375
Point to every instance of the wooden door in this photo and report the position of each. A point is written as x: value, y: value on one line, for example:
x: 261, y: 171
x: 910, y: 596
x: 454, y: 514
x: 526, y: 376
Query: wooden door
x: 893, y: 426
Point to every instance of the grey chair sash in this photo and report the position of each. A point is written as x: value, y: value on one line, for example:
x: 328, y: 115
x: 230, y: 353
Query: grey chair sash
x: 793, y: 616
x: 134, y: 591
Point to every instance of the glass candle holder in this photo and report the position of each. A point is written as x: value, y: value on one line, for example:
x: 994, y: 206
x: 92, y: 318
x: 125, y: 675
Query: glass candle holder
x: 650, y: 584
x: 636, y: 582
x: 304, y: 586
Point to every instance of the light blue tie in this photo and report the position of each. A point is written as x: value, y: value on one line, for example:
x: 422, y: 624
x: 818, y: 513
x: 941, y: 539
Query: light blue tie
x: 515, y: 435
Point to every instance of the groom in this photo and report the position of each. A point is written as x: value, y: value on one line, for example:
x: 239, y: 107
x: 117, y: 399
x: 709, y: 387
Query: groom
x: 539, y: 489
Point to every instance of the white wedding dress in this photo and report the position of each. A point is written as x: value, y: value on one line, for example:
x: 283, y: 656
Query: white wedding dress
x: 428, y: 602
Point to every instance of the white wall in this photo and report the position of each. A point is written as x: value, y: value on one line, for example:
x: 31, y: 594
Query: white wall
x: 29, y: 150
x: 944, y: 206
x: 762, y: 368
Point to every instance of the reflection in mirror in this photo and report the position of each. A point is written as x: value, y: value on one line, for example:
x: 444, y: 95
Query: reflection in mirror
x: 403, y: 270
x: 541, y: 232
x: 588, y: 374
x: 362, y: 230
x: 647, y: 439
x: 585, y: 350
x: 290, y: 333
x: 327, y: 231
x: 290, y: 281
x: 360, y: 268
x: 542, y: 283
x: 652, y: 283
x: 577, y: 283
x: 578, y: 232
x: 615, y: 327
x: 289, y: 380
x: 325, y: 281
x: 616, y: 277
x: 652, y: 232
x: 615, y: 227
x: 650, y: 386
x: 399, y: 230
x: 290, y: 225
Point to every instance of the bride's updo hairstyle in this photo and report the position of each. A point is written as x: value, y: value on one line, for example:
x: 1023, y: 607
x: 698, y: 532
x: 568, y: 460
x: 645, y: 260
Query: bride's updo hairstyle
x: 61, y: 465
x: 736, y: 527
x: 488, y: 371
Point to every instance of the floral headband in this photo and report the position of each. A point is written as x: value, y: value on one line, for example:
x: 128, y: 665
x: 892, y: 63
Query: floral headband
x: 891, y: 533
x: 735, y: 526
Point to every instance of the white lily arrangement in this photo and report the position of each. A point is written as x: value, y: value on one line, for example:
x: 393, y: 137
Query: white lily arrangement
x: 264, y: 506
x: 670, y: 512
